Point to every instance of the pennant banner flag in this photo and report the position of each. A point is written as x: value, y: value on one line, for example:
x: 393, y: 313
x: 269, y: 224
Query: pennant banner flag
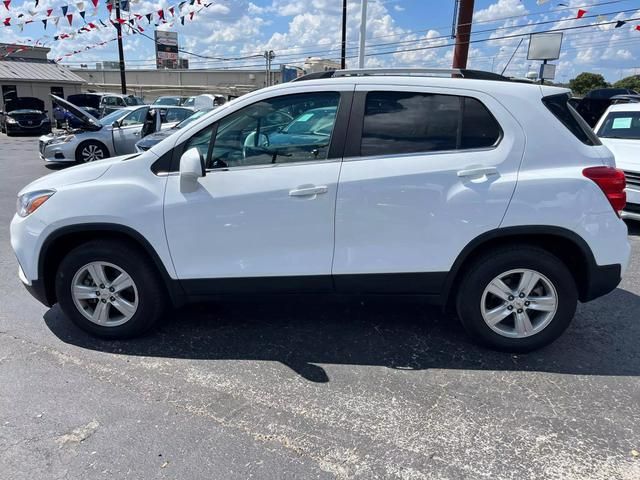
x: 620, y: 23
x: 6, y: 3
x: 70, y: 18
x: 581, y: 13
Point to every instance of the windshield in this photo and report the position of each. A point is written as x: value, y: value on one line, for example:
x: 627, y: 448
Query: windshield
x: 621, y: 125
x: 195, y: 116
x: 315, y: 121
x: 167, y: 101
x: 82, y: 100
x: 107, y: 120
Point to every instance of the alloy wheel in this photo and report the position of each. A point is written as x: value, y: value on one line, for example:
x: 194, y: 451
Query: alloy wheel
x: 105, y: 294
x: 519, y: 303
x: 91, y: 153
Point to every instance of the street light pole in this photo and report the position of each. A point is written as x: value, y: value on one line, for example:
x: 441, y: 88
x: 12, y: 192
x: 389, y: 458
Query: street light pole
x: 343, y: 57
x: 123, y: 78
x: 363, y: 33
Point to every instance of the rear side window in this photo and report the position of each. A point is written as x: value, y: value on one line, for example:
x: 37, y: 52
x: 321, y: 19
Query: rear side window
x: 563, y: 111
x: 409, y: 122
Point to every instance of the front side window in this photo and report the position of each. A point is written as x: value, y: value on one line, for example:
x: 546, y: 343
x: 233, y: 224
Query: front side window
x: 292, y: 128
x: 177, y: 114
x: 134, y: 118
x: 410, y: 122
x: 621, y: 125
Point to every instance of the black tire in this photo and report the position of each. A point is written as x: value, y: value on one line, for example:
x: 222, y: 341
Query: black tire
x: 100, y: 150
x: 495, y: 263
x: 151, y: 293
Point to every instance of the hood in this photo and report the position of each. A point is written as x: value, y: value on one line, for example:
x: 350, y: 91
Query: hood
x: 88, y: 121
x: 24, y: 103
x: 70, y: 176
x: 626, y: 152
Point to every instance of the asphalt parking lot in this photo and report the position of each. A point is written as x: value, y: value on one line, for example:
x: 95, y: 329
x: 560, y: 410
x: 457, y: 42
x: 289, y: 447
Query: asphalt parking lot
x: 302, y: 388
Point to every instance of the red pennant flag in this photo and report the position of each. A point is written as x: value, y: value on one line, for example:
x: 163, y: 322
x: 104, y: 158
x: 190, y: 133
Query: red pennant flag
x: 161, y: 14
x: 7, y: 22
x: 191, y: 15
x: 6, y: 3
x: 95, y: 3
x: 581, y: 13
x: 109, y: 7
x: 92, y: 25
x: 638, y: 27
x: 171, y: 11
x: 49, y: 11
x: 70, y: 18
x: 121, y: 20
x: 140, y: 29
x: 138, y: 16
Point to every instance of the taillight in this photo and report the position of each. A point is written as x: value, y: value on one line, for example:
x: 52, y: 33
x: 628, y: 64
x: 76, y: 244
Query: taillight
x: 612, y: 182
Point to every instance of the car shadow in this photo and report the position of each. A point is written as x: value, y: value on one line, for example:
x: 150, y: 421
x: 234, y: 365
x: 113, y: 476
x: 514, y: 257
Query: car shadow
x: 59, y: 166
x: 305, y: 333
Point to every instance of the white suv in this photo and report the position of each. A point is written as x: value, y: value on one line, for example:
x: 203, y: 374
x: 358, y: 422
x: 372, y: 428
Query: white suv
x: 487, y: 196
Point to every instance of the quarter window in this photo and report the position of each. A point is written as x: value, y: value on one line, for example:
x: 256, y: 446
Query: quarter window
x: 408, y: 122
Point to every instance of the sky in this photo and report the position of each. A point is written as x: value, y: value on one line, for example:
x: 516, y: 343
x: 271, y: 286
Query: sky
x: 400, y: 33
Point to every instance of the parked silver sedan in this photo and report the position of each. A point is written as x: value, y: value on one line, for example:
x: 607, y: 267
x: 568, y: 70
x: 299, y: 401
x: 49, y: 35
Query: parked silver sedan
x: 114, y: 134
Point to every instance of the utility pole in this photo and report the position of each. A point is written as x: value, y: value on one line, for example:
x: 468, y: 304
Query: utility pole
x: 269, y: 55
x: 343, y: 58
x: 363, y: 33
x: 123, y: 78
x: 463, y: 33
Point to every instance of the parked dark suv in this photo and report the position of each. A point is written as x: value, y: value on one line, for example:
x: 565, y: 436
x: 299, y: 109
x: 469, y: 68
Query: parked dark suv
x: 594, y: 103
x: 24, y: 115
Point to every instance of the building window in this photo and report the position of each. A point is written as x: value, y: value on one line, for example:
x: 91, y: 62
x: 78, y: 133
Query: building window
x: 9, y: 92
x: 57, y: 91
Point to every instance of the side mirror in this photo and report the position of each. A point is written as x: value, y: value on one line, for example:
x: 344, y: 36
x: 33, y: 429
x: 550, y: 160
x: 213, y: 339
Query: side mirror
x: 192, y: 167
x: 115, y: 124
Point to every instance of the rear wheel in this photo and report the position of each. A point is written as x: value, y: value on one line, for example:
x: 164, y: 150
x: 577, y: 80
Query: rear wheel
x: 90, y: 151
x: 110, y: 289
x: 517, y: 299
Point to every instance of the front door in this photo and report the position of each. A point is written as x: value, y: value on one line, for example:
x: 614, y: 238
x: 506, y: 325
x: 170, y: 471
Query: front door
x: 428, y: 171
x: 127, y: 135
x: 262, y: 219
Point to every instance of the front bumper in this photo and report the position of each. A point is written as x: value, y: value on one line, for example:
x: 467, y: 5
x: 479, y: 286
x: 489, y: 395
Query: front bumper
x: 632, y: 210
x: 32, y: 129
x: 56, y: 152
x: 35, y: 287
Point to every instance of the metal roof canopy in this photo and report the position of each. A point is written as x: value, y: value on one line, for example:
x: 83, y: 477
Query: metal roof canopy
x: 28, y: 70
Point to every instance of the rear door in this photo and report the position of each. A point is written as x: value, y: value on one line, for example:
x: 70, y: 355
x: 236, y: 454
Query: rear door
x: 425, y: 172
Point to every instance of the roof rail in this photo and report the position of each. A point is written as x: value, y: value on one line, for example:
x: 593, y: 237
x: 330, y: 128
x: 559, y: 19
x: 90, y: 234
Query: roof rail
x: 426, y: 72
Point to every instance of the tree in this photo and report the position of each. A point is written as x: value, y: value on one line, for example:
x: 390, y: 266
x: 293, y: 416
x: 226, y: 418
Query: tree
x: 586, y: 82
x: 632, y: 82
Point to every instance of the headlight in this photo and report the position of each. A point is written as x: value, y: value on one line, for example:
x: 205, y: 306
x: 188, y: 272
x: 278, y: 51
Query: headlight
x: 29, y: 202
x: 63, y: 139
x: 11, y: 121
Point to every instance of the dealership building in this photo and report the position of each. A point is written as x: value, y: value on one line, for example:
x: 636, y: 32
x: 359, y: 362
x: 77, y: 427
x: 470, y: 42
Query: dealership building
x: 26, y: 72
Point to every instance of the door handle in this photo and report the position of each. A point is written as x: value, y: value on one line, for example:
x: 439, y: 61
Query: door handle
x: 306, y: 191
x: 478, y: 172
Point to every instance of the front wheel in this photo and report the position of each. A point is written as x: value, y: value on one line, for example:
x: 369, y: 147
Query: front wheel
x: 517, y: 299
x: 110, y: 289
x: 90, y: 151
